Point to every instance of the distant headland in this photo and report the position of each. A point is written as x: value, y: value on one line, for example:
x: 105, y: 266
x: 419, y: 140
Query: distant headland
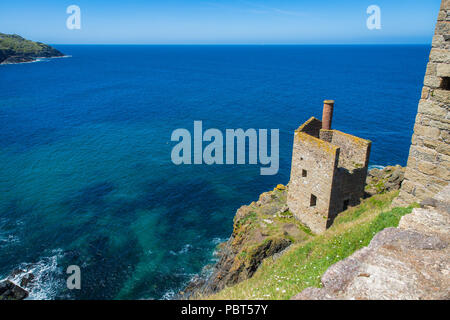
x: 15, y: 49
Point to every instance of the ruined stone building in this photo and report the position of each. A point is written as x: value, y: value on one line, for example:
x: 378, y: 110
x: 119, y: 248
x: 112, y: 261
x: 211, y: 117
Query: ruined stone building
x: 428, y: 169
x: 328, y: 172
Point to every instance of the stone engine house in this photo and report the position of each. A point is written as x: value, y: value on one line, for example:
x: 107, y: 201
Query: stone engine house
x: 328, y: 172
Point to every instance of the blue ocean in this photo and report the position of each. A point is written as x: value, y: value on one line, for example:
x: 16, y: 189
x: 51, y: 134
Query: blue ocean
x: 86, y: 176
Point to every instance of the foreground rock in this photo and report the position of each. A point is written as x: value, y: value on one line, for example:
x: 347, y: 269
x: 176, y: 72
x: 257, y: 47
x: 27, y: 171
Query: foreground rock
x: 17, y: 285
x: 384, y: 180
x: 408, y: 262
x: 15, y: 49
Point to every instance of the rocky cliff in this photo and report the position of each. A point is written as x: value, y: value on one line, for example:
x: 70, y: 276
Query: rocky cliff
x: 17, y: 285
x: 264, y: 229
x: 15, y: 49
x: 260, y: 230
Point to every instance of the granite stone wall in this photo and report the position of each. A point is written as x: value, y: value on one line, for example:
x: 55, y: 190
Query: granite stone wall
x: 312, y: 172
x: 428, y: 168
x: 328, y: 174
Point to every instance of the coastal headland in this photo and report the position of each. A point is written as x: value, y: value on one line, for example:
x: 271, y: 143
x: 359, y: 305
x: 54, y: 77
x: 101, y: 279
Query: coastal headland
x: 16, y: 49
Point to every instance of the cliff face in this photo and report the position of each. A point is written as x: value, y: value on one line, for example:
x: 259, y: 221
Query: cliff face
x: 261, y: 230
x: 264, y: 229
x: 15, y: 49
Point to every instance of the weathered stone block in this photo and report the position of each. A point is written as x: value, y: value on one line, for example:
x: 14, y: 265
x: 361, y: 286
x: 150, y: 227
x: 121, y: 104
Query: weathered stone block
x: 426, y: 167
x: 422, y: 153
x: 420, y: 178
x: 441, y: 124
x: 442, y: 172
x: 445, y: 5
x: 439, y: 42
x: 412, y: 162
x: 407, y: 186
x: 430, y: 132
x: 443, y: 27
x: 443, y: 148
x: 445, y: 135
x: 443, y: 70
x: 422, y: 192
x: 432, y: 108
x: 424, y: 119
x: 429, y: 143
x: 432, y: 81
x: 425, y: 93
x: 440, y: 55
x: 442, y: 96
x: 431, y: 69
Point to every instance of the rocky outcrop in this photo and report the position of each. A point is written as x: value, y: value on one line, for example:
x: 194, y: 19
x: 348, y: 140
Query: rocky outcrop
x: 384, y: 180
x: 11, y: 291
x: 17, y: 285
x: 15, y: 49
x: 261, y: 230
x: 408, y: 262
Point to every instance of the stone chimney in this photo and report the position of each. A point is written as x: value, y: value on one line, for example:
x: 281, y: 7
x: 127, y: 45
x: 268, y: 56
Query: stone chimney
x: 327, y: 116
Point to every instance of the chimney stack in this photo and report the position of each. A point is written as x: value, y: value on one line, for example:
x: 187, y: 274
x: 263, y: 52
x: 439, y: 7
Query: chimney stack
x: 327, y: 114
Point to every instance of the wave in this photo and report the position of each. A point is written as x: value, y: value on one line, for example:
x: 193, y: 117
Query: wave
x: 37, y: 59
x: 8, y: 240
x: 48, y: 277
x: 375, y: 166
x: 183, y: 250
x: 217, y: 241
x: 169, y: 295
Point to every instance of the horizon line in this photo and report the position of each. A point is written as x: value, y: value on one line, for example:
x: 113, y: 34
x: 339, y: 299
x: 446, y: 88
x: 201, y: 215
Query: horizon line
x: 245, y: 44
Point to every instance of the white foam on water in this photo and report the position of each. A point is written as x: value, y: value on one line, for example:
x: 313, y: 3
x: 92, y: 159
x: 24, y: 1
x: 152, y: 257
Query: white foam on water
x: 375, y: 166
x: 168, y: 295
x: 48, y: 277
x: 217, y: 241
x: 183, y: 250
x: 7, y: 240
x: 215, y: 254
x: 37, y: 59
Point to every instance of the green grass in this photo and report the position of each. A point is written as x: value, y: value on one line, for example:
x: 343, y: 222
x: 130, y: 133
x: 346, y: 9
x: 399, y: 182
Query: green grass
x: 304, y: 263
x: 15, y: 45
x: 18, y: 44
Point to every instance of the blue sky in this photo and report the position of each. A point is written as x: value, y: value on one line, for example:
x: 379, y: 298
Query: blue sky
x: 221, y: 22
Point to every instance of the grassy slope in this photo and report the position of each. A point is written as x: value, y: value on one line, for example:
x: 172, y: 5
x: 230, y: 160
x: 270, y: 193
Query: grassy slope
x: 304, y: 263
x: 19, y: 44
x: 15, y: 49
